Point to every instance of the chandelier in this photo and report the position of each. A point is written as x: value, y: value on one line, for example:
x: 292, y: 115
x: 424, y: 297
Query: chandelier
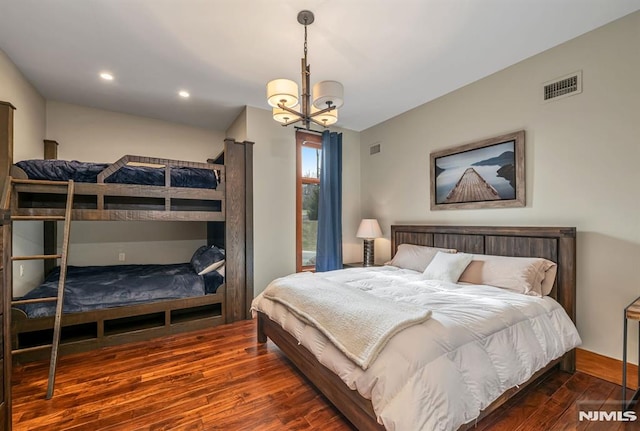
x: 282, y: 94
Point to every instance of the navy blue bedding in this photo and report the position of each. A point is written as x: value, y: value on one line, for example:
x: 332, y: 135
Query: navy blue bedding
x: 85, y: 172
x: 94, y: 287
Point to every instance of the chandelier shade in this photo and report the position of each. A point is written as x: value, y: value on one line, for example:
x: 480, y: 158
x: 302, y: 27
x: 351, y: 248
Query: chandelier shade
x: 284, y: 117
x: 328, y: 93
x: 282, y: 91
x: 282, y: 94
x: 326, y: 118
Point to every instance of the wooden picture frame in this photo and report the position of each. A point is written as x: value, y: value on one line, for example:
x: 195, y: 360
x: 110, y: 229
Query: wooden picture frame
x: 483, y: 174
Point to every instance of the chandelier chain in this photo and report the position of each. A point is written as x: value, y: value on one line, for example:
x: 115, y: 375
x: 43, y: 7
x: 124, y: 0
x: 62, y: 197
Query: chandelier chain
x: 305, y: 40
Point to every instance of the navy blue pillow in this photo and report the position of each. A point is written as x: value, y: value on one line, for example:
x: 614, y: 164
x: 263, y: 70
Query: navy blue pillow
x: 207, y: 259
x: 212, y: 281
x: 196, y: 255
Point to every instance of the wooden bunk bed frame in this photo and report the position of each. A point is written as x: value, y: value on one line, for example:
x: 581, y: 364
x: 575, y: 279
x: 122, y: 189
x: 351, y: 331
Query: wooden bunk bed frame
x: 112, y: 201
x: 553, y: 243
x: 227, y: 210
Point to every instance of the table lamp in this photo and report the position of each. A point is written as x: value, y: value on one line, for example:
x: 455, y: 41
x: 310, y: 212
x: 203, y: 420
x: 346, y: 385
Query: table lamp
x: 369, y: 230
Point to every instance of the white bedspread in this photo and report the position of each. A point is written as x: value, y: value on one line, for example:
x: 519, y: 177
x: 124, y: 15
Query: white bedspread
x: 438, y: 375
x: 335, y: 309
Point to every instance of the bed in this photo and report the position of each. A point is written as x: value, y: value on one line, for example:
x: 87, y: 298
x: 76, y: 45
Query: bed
x: 480, y: 318
x: 130, y: 173
x: 130, y: 188
x: 103, y: 304
x: 217, y: 192
x: 90, y: 288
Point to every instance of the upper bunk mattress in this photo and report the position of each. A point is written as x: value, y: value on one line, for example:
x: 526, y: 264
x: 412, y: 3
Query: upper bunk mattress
x: 95, y: 287
x: 87, y: 172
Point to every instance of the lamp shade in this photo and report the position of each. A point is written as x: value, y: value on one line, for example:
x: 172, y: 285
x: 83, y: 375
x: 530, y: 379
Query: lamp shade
x: 369, y: 228
x: 327, y: 118
x: 282, y: 116
x: 328, y: 92
x: 282, y: 91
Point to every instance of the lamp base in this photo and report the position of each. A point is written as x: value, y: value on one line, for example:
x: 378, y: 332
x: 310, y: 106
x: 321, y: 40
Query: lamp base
x: 368, y: 259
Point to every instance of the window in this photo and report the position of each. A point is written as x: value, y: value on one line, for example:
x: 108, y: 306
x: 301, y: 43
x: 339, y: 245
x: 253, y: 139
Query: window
x: 308, y: 159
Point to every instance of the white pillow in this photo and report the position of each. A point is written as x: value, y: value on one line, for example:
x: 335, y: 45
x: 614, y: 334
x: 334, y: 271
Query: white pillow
x: 221, y: 270
x: 447, y: 266
x: 415, y: 257
x: 212, y: 267
x: 528, y: 275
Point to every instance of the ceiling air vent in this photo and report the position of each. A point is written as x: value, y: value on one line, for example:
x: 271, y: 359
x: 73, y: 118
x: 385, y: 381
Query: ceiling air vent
x: 559, y: 88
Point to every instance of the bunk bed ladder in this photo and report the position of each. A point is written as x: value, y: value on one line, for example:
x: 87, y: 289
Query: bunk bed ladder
x: 59, y: 299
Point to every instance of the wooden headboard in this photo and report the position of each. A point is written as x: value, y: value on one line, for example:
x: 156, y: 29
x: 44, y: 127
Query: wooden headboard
x: 557, y: 244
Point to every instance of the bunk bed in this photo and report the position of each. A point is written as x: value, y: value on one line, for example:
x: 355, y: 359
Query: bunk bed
x: 223, y: 201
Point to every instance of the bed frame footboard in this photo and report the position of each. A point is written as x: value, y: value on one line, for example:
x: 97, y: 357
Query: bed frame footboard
x: 357, y: 409
x: 352, y: 405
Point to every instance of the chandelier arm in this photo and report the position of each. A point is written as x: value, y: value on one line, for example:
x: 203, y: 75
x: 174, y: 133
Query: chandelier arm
x: 319, y: 123
x: 293, y: 111
x: 292, y: 122
x: 325, y: 110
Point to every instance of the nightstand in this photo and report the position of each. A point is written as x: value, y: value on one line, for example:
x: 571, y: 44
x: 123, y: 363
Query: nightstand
x: 355, y: 265
x: 631, y: 312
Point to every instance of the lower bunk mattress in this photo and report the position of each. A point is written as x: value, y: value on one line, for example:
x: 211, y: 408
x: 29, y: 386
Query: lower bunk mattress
x: 96, y: 287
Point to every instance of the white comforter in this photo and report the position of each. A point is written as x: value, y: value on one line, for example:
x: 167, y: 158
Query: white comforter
x: 339, y: 308
x: 438, y: 375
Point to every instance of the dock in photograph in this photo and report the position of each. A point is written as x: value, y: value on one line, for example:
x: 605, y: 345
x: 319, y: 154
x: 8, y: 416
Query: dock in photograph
x: 471, y: 187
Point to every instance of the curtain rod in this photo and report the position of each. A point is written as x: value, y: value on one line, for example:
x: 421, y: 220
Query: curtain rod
x: 302, y: 129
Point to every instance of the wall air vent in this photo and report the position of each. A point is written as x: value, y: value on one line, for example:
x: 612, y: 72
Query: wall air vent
x: 374, y: 149
x: 565, y: 86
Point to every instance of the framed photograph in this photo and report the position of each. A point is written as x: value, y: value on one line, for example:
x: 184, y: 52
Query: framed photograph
x: 484, y: 174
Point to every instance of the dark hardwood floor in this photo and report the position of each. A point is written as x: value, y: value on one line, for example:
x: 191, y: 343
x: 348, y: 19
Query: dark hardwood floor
x: 220, y: 379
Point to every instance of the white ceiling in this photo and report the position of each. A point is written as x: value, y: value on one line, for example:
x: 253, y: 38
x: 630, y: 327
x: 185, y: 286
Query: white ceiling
x: 391, y: 56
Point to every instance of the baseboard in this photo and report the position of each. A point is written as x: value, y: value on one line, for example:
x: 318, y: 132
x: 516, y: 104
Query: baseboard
x: 605, y: 368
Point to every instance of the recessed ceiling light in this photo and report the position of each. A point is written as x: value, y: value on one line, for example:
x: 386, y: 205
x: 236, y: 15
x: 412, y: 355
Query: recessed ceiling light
x: 106, y: 76
x: 184, y: 94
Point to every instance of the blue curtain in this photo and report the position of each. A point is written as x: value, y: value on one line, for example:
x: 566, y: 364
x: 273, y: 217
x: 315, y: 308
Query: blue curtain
x: 329, y: 245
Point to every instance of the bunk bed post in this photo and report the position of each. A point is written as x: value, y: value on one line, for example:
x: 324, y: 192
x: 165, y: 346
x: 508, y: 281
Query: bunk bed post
x: 239, y: 228
x: 6, y: 298
x: 6, y: 138
x: 6, y: 160
x: 50, y: 149
x: 50, y: 228
x: 248, y: 245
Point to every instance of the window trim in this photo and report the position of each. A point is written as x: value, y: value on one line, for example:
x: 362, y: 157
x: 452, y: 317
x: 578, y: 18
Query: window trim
x: 303, y: 139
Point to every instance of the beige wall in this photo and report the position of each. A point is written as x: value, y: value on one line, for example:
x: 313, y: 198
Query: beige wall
x: 29, y: 131
x: 89, y: 134
x: 238, y: 129
x: 100, y: 243
x: 96, y: 135
x: 29, y: 121
x: 582, y: 156
x: 275, y: 196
